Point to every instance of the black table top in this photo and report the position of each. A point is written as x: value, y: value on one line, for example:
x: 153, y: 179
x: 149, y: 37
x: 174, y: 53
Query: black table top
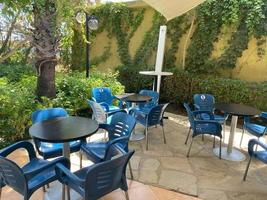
x: 237, y: 109
x: 137, y: 98
x: 63, y: 129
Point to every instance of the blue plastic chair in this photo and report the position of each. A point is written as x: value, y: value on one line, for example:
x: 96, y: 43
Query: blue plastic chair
x: 254, y: 153
x: 145, y: 107
x: 104, y: 97
x: 119, y: 132
x: 98, y: 180
x: 152, y: 118
x: 51, y: 150
x: 253, y: 128
x: 206, y: 102
x: 201, y: 127
x: 27, y: 179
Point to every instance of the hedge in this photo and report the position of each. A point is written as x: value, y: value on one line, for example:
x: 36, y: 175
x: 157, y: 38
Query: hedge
x: 183, y: 85
x: 18, y: 100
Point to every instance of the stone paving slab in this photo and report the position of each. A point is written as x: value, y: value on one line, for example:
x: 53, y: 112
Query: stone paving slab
x: 202, y: 174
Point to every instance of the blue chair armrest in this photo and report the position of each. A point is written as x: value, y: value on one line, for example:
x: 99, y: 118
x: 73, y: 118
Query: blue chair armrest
x: 107, y: 127
x: 93, y: 98
x: 199, y: 112
x: 196, y: 106
x: 251, y: 145
x: 105, y: 105
x: 264, y: 115
x: 62, y: 160
x: 22, y: 144
x: 113, y: 112
x: 111, y: 144
x: 64, y: 173
x: 120, y: 139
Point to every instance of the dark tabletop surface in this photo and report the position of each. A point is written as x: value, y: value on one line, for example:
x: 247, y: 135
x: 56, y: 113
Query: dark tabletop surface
x: 137, y: 98
x: 237, y: 109
x: 63, y: 129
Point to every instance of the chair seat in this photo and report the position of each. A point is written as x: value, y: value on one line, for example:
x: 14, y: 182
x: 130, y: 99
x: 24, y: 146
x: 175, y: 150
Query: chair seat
x: 95, y: 151
x: 47, y: 175
x: 143, y: 110
x: 141, y: 119
x: 206, y: 128
x: 112, y: 108
x: 261, y: 155
x: 219, y: 118
x: 49, y: 150
x: 255, y: 129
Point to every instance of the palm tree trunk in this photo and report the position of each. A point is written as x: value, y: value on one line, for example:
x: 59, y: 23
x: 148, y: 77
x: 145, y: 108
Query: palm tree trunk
x: 45, y: 41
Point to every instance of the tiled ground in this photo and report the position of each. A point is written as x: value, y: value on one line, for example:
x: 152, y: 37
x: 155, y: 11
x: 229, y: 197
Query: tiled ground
x: 202, y: 174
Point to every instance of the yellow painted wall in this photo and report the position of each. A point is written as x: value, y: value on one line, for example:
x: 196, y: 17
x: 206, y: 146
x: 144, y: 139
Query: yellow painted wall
x: 249, y: 67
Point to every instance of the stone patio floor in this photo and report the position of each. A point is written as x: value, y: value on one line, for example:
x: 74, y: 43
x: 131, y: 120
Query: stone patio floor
x: 202, y: 174
x: 166, y: 166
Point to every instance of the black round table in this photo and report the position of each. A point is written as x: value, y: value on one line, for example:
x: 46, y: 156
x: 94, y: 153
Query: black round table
x: 134, y: 99
x: 63, y: 130
x: 235, y: 110
x: 137, y: 98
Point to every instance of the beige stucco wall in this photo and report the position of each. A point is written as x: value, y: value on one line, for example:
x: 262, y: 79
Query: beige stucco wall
x: 249, y: 67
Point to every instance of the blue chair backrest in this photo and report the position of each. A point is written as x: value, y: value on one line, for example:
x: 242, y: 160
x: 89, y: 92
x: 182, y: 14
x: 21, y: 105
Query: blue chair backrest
x: 123, y: 125
x: 46, y: 114
x: 204, y: 102
x: 107, y: 176
x: 12, y: 175
x: 154, y: 115
x: 153, y: 102
x: 102, y: 95
x: 190, y: 115
x: 99, y: 113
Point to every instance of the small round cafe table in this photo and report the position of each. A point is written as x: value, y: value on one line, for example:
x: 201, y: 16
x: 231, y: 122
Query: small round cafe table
x: 235, y: 110
x: 63, y: 130
x: 135, y: 99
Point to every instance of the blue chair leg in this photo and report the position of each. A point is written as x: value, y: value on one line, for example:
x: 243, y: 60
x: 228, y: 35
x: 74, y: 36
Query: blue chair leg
x: 81, y: 159
x: 224, y: 126
x: 63, y: 192
x: 190, y: 148
x: 146, y: 130
x: 246, y: 172
x: 214, y: 141
x: 131, y: 171
x: 164, y: 138
x: 242, y: 137
x: 220, y: 153
x: 187, y: 135
x: 126, y: 195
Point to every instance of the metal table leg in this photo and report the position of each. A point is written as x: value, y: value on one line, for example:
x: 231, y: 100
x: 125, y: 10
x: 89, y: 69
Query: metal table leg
x: 136, y: 136
x: 66, y: 154
x: 229, y: 153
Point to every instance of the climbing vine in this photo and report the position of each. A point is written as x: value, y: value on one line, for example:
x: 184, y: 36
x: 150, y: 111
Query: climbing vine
x: 245, y: 19
x: 250, y: 18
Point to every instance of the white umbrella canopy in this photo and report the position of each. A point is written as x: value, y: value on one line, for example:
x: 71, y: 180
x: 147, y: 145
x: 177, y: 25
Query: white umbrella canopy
x: 173, y: 8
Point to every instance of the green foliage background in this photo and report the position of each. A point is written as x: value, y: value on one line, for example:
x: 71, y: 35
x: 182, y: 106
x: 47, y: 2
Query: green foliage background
x: 18, y: 99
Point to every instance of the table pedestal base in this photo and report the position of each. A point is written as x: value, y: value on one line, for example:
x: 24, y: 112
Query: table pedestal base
x: 235, y: 155
x: 137, y: 137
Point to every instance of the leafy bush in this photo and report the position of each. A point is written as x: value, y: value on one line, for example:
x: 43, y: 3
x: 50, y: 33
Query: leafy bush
x: 18, y: 100
x: 15, y: 73
x: 182, y: 86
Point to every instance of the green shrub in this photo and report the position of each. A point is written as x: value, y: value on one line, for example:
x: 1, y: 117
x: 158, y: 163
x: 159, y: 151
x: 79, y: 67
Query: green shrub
x: 18, y: 100
x: 182, y: 86
x: 15, y: 73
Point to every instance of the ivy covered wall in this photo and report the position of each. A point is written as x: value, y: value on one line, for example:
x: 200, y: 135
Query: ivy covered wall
x: 228, y: 38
